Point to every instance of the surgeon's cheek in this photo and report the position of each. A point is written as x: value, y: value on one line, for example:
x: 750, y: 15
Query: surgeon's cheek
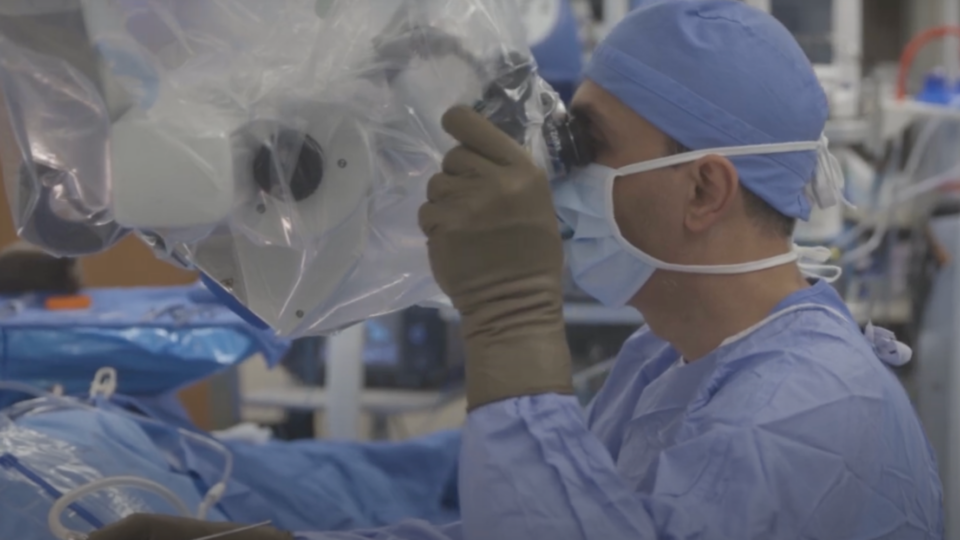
x: 649, y: 211
x: 631, y: 213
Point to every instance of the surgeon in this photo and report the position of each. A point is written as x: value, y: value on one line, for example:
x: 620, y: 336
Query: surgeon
x: 751, y: 405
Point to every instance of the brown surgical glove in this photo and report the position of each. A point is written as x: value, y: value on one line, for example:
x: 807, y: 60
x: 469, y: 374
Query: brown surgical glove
x: 151, y: 527
x: 495, y: 250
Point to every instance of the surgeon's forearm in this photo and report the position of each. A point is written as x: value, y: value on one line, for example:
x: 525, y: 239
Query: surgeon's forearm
x: 408, y: 530
x: 530, y: 468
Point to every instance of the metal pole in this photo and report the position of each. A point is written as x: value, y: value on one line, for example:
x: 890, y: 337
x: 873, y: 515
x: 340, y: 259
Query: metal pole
x: 951, y: 46
x: 760, y: 4
x: 847, y: 34
x: 613, y: 12
x: 344, y: 383
x: 951, y: 483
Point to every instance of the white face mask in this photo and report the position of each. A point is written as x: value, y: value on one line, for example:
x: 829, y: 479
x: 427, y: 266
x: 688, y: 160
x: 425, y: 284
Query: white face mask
x: 612, y: 270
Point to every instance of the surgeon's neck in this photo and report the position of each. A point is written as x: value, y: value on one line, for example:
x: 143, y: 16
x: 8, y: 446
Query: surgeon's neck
x: 696, y: 312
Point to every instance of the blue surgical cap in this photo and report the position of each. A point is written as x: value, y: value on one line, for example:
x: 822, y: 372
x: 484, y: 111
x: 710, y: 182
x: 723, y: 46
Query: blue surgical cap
x: 716, y: 73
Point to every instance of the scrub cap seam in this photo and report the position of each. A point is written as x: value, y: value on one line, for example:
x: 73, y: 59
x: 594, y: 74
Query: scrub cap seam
x: 613, y: 67
x: 810, y: 83
x: 750, y: 30
x: 605, y: 50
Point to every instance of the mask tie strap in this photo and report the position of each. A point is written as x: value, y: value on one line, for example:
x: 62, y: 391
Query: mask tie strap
x: 826, y: 189
x: 813, y: 263
x: 885, y: 345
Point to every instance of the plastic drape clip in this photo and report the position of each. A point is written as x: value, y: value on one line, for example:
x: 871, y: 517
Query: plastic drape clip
x: 104, y: 383
x: 885, y: 345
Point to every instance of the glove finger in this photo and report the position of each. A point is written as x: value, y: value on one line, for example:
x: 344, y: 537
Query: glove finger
x: 444, y: 187
x: 464, y: 162
x: 433, y: 217
x: 480, y: 135
x: 441, y: 187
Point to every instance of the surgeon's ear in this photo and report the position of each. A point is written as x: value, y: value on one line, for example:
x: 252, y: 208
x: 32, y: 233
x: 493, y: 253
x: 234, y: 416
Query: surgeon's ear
x: 714, y: 183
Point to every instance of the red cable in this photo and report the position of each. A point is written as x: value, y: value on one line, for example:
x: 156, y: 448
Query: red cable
x: 913, y: 48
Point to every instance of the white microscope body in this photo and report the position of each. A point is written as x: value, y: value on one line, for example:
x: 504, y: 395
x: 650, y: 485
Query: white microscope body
x: 277, y: 192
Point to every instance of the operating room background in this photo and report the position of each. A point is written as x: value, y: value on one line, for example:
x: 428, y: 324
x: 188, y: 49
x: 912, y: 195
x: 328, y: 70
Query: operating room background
x: 410, y: 376
x: 128, y: 264
x: 132, y: 264
x: 887, y: 25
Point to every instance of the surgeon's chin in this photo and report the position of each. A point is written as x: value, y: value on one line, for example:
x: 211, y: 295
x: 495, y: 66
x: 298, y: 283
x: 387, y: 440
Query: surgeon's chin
x: 661, y: 291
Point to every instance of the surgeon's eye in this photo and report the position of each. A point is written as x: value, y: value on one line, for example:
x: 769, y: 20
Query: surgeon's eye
x: 596, y: 142
x: 596, y: 138
x: 589, y: 132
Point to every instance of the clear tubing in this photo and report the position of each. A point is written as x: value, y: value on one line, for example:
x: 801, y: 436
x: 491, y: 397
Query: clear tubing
x: 61, y: 532
x: 894, y: 195
x: 210, y: 499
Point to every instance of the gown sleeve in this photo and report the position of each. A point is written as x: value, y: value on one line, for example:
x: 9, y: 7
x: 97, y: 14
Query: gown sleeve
x: 808, y: 465
x: 530, y: 468
x: 803, y: 465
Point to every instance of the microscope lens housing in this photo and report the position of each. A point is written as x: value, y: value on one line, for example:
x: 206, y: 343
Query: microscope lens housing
x: 282, y: 150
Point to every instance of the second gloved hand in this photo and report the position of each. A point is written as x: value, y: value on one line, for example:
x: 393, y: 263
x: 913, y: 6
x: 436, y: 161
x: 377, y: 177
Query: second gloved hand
x: 495, y: 250
x: 156, y: 527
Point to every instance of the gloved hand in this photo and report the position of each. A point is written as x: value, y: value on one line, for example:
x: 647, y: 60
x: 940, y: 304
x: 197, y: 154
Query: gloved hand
x: 152, y: 527
x: 495, y: 250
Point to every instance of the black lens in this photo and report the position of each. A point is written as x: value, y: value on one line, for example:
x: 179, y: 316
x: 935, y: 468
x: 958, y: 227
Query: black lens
x: 292, y: 158
x: 578, y: 149
x: 568, y: 142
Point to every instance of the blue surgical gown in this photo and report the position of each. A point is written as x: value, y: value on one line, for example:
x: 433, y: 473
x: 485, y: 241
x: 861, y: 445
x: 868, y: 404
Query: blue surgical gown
x: 792, y: 429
